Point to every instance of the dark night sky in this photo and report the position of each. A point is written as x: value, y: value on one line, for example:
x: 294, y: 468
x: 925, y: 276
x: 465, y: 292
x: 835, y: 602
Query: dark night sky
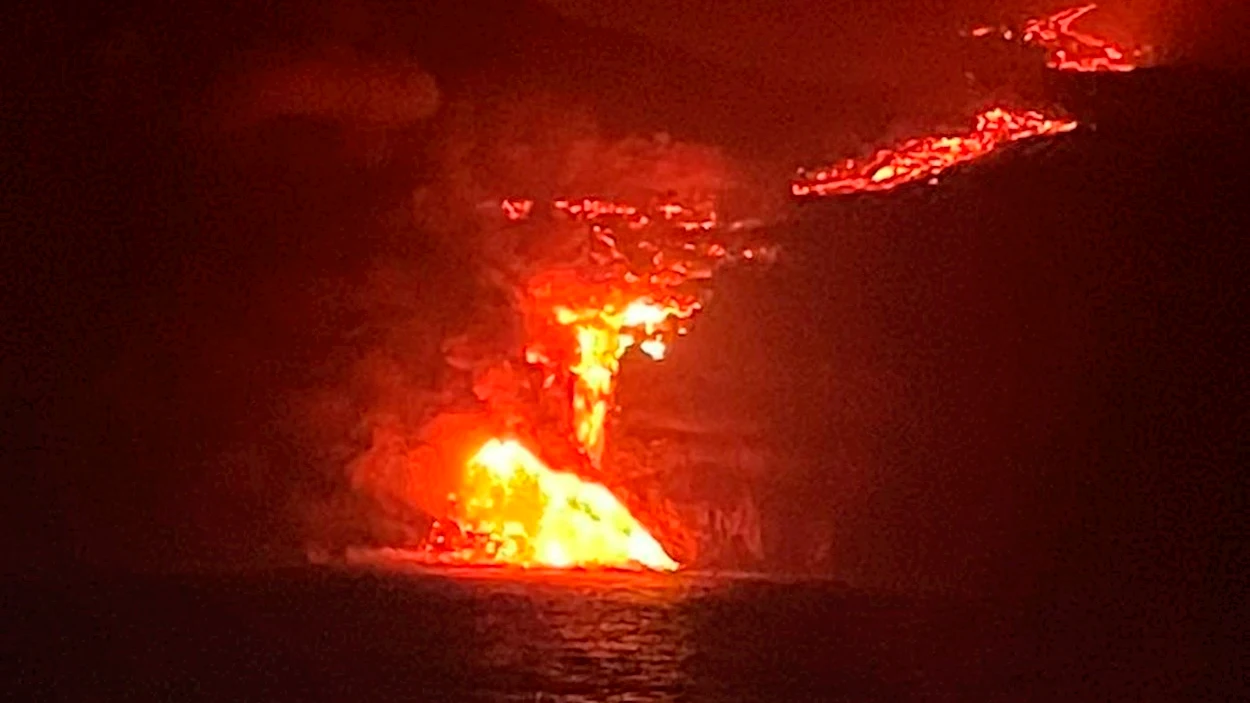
x: 1029, y: 382
x: 895, y: 41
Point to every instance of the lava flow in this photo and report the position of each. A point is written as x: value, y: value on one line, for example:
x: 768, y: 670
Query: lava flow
x: 603, y: 333
x: 636, y: 288
x: 926, y: 157
x: 1066, y: 48
x: 514, y: 509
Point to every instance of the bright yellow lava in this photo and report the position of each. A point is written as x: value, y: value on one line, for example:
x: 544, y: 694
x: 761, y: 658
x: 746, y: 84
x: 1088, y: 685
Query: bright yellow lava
x: 542, y: 517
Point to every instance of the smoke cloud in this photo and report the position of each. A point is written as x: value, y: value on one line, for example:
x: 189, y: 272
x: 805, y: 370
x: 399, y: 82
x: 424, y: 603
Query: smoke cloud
x: 365, y: 94
x: 212, y: 327
x: 442, y: 365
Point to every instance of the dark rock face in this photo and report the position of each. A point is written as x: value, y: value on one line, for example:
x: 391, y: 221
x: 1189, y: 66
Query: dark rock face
x: 709, y: 480
x: 716, y: 495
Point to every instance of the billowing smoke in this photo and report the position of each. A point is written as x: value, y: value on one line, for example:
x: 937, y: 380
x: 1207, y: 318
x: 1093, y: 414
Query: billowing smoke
x: 337, y: 86
x: 272, y: 283
x: 439, y: 358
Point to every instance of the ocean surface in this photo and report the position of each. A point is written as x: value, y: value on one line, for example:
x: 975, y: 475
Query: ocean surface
x: 362, y: 634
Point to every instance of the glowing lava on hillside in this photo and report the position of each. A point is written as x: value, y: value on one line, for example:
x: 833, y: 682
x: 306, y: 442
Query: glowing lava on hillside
x: 925, y: 157
x: 531, y: 487
x: 1066, y: 48
x: 637, y: 287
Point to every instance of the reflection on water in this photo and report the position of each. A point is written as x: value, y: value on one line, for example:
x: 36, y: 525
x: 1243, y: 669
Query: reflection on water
x: 576, y: 636
x: 489, y: 635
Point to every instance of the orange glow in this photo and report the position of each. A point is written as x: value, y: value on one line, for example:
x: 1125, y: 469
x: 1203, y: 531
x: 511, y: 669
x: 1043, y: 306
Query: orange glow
x: 638, y: 287
x: 926, y: 157
x: 516, y: 209
x: 1068, y: 49
x: 637, y: 295
x: 513, y: 509
x: 603, y: 335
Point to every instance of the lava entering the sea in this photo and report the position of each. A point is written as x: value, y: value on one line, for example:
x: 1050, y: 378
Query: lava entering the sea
x: 534, y: 485
x: 1066, y: 48
x: 925, y: 157
x: 514, y: 509
x: 638, y: 287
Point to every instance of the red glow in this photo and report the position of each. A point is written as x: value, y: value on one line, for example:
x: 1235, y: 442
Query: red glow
x: 514, y: 509
x: 638, y: 288
x: 1068, y: 49
x: 516, y: 209
x: 926, y: 157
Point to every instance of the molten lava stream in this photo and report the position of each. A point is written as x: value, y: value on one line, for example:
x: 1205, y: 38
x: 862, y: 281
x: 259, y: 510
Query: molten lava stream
x: 603, y: 334
x: 637, y: 287
x: 926, y: 157
x: 1066, y: 48
x: 514, y: 509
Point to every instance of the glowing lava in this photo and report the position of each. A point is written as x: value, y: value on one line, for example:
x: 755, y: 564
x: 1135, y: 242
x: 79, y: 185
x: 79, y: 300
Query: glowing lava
x: 637, y: 287
x: 513, y: 509
x: 925, y: 157
x: 601, y: 334
x: 638, y: 293
x: 1066, y: 48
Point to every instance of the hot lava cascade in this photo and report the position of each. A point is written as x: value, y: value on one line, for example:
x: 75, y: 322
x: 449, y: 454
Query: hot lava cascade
x: 637, y: 288
x: 1068, y: 49
x: 526, y: 482
x: 926, y: 157
x: 514, y: 509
